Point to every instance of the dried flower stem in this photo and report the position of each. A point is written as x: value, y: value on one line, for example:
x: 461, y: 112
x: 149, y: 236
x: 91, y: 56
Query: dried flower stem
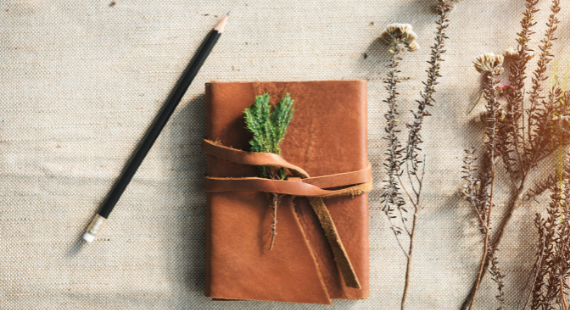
x: 491, y: 96
x: 482, y: 264
x: 562, y: 295
x: 414, y: 137
x: 400, y: 37
x: 523, y: 136
x: 391, y: 195
x: 497, y: 276
x: 412, y: 234
x: 536, y: 267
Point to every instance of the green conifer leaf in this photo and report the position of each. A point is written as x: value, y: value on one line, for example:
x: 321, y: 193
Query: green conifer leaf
x: 268, y: 128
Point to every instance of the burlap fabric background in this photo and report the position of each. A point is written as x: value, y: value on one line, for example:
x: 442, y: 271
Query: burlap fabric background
x: 80, y: 82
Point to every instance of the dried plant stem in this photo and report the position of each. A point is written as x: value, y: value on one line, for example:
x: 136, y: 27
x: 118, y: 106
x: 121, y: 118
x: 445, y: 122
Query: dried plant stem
x: 536, y: 268
x: 275, y: 204
x: 408, y: 267
x: 416, y: 204
x: 413, y: 149
x: 274, y: 173
x: 484, y: 204
x: 523, y: 140
x: 491, y: 107
x: 563, y: 296
x: 485, y: 257
x: 392, y: 197
x: 411, y: 249
x: 393, y: 165
x: 515, y: 201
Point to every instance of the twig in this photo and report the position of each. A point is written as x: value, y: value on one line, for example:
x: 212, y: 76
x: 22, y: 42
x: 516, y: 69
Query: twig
x: 409, y: 262
x: 276, y: 199
x: 536, y: 268
x: 562, y: 295
x: 417, y: 205
x: 400, y: 35
x: 490, y: 65
x: 497, y: 239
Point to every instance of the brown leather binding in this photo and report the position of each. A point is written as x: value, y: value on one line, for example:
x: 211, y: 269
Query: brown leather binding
x: 294, y: 186
x: 274, y: 186
x: 248, y: 158
x: 326, y: 137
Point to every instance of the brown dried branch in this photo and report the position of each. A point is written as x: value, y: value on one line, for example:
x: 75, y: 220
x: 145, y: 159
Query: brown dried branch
x: 484, y: 198
x: 398, y: 37
x: 526, y: 135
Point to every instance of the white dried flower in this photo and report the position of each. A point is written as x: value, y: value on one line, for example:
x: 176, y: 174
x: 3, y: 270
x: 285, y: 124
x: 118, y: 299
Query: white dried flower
x: 489, y: 62
x: 400, y: 34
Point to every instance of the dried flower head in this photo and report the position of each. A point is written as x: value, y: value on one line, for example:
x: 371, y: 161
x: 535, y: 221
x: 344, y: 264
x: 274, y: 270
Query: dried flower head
x: 400, y: 34
x: 489, y: 62
x: 513, y: 54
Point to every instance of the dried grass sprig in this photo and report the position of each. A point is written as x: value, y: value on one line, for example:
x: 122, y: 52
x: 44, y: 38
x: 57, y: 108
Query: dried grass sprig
x: 497, y: 276
x: 553, y: 265
x: 513, y: 133
x: 427, y: 100
x: 399, y: 37
x: 481, y: 197
x: 539, y: 76
x: 526, y: 136
x: 540, y: 187
x: 391, y: 195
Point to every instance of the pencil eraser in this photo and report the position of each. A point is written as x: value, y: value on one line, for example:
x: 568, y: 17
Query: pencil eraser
x: 88, y: 237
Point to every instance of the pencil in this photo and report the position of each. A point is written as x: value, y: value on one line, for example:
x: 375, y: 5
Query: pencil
x: 154, y: 131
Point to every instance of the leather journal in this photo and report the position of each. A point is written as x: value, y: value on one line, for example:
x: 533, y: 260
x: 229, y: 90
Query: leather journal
x: 321, y: 248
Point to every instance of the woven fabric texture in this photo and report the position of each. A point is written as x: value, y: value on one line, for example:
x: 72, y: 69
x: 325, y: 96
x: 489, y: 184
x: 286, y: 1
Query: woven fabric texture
x: 80, y: 82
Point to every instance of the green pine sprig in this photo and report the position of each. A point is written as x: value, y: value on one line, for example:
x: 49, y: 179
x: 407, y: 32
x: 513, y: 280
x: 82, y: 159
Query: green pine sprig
x: 269, y: 128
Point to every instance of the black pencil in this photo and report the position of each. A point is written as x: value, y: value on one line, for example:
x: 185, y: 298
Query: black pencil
x: 154, y: 131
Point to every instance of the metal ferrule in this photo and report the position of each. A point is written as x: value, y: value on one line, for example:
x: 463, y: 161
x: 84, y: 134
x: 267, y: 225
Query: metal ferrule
x: 95, y: 224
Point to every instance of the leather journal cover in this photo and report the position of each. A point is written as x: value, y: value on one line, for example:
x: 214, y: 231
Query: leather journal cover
x: 321, y: 248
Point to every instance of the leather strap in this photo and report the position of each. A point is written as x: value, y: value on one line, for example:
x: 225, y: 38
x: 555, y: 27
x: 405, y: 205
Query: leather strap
x: 339, y: 252
x: 214, y: 185
x: 341, y: 179
x: 358, y: 182
x: 305, y: 187
x: 249, y: 158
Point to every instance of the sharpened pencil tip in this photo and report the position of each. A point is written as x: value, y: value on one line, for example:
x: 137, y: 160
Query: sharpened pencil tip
x: 220, y: 26
x: 228, y: 13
